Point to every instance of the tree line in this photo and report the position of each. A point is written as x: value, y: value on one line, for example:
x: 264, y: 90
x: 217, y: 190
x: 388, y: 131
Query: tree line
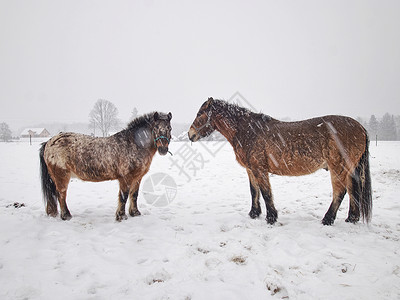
x: 386, y: 128
x: 104, y: 118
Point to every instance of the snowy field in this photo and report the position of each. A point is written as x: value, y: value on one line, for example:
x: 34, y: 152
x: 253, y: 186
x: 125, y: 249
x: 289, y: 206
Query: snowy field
x: 203, y: 245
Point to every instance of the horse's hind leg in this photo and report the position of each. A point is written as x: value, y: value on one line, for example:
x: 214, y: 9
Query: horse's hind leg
x: 122, y: 198
x: 65, y: 214
x: 255, y: 196
x: 338, y: 179
x: 354, y: 207
x: 133, y: 195
x: 61, y: 180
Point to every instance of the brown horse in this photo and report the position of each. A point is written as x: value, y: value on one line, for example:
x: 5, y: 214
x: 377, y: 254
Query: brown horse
x: 265, y: 145
x: 125, y: 156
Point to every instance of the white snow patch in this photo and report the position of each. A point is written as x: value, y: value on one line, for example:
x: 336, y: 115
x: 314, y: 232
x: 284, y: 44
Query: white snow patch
x: 203, y: 245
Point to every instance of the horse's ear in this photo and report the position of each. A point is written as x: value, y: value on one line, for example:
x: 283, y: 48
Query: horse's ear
x: 156, y: 116
x: 169, y: 116
x: 208, y: 102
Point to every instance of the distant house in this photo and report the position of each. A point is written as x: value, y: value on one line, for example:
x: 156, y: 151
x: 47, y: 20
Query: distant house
x: 35, y: 132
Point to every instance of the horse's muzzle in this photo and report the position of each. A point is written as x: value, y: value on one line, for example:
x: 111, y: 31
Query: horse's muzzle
x: 192, y: 134
x: 162, y: 150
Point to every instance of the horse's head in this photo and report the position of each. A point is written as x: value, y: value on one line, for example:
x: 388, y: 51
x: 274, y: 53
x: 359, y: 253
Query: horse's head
x: 202, y: 126
x: 162, y: 132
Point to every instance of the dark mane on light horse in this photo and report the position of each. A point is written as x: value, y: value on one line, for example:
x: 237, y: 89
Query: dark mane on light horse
x: 264, y: 145
x: 141, y: 121
x: 125, y: 156
x: 145, y: 120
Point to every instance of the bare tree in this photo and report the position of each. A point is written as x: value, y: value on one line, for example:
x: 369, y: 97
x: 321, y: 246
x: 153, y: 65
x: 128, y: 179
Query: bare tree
x: 104, y: 116
x: 5, y: 132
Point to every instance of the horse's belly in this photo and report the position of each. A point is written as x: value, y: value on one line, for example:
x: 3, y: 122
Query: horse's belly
x: 84, y: 177
x: 296, y: 167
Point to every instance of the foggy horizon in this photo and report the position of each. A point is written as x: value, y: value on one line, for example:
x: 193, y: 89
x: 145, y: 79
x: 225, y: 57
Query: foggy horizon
x: 288, y: 59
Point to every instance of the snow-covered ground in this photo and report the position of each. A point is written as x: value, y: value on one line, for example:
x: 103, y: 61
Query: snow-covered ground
x: 203, y: 245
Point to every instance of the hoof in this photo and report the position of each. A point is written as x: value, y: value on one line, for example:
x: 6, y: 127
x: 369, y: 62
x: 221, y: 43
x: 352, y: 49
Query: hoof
x: 134, y: 213
x: 271, y: 220
x: 66, y: 216
x: 51, y: 211
x: 254, y: 213
x: 328, y: 221
x: 272, y: 216
x: 352, y: 219
x: 120, y: 217
x: 52, y: 214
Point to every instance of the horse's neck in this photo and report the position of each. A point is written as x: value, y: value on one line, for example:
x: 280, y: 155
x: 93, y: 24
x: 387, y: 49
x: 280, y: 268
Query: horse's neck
x: 143, y: 138
x: 227, y: 126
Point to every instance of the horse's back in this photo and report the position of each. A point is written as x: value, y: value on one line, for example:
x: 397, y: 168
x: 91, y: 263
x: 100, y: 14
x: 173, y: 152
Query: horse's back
x: 302, y: 147
x: 318, y: 124
x: 344, y: 131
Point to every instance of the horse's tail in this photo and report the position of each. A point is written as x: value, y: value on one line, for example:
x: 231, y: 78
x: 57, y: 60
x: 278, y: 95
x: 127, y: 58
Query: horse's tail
x: 48, y: 186
x: 361, y: 185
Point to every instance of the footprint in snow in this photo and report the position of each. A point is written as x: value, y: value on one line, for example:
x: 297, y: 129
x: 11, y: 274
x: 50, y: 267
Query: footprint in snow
x: 158, y: 277
x: 239, y: 260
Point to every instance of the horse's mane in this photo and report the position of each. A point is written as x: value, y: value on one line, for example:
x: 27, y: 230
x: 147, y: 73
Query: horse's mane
x: 142, y: 121
x: 234, y: 109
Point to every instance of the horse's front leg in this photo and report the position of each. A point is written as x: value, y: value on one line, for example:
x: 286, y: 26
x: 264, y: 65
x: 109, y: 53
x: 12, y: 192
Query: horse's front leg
x: 122, y: 198
x: 265, y: 187
x: 255, y: 196
x: 133, y: 195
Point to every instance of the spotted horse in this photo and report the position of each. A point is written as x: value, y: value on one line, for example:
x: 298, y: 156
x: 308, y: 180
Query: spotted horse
x: 125, y: 156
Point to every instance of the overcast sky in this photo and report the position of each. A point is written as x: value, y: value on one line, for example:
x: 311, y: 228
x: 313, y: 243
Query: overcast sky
x: 294, y: 59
